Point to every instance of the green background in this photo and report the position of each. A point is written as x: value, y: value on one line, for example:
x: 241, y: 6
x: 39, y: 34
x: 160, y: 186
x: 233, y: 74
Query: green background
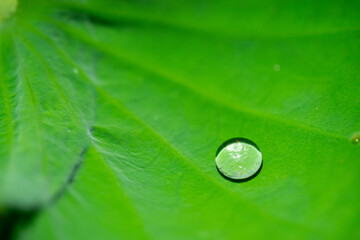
x: 111, y: 113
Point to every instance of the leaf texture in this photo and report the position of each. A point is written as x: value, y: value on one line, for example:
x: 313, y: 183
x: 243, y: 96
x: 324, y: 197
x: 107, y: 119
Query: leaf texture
x: 112, y: 111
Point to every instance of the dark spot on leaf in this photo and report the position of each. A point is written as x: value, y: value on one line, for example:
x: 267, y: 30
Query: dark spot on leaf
x: 14, y: 219
x: 356, y: 138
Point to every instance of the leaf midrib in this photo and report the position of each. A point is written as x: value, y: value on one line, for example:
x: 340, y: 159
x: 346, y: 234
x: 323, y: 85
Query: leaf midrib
x: 33, y: 103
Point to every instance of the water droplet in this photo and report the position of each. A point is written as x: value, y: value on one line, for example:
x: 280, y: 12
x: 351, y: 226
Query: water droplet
x: 76, y: 71
x: 276, y: 67
x: 238, y: 158
x: 356, y: 138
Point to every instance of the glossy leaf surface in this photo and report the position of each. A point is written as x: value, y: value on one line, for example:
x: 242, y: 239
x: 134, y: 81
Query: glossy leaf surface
x: 112, y: 111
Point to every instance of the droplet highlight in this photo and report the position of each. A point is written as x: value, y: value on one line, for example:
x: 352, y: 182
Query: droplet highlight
x: 238, y: 158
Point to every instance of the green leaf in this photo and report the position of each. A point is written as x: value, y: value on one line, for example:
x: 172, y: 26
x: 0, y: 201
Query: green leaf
x: 112, y: 112
x: 7, y: 7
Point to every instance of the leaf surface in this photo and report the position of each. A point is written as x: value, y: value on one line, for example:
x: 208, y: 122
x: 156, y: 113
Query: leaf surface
x: 111, y: 114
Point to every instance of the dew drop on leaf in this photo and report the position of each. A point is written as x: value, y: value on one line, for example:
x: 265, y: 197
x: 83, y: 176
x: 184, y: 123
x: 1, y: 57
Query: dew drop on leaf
x: 356, y: 138
x: 238, y: 158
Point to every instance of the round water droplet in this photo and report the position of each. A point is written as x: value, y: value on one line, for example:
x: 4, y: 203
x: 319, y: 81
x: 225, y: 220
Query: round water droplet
x: 355, y: 138
x: 238, y: 158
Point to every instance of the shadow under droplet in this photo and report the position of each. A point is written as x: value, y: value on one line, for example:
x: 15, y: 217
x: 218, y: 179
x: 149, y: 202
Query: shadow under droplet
x: 241, y: 180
